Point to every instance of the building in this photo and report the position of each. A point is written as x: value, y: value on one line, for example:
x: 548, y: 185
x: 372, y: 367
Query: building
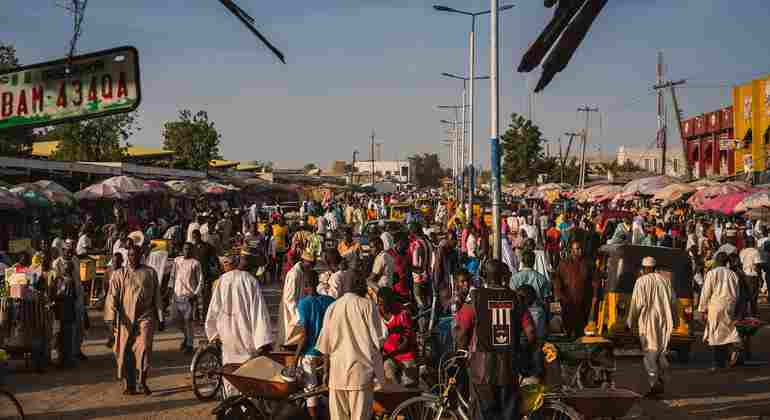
x: 136, y: 154
x: 396, y: 170
x: 751, y: 103
x: 650, y: 159
x: 710, y: 143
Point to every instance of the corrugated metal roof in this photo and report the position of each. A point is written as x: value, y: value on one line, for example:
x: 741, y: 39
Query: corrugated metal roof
x: 46, y: 148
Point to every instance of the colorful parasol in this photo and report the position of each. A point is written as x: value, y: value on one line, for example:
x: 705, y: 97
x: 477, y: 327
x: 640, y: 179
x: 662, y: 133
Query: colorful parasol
x: 215, y: 188
x: 673, y: 192
x: 725, y: 204
x: 32, y: 195
x: 598, y: 193
x: 183, y: 187
x: 701, y: 196
x: 101, y: 191
x: 156, y: 187
x: 126, y: 184
x: 9, y: 200
x: 647, y: 186
x: 757, y: 200
x: 56, y: 192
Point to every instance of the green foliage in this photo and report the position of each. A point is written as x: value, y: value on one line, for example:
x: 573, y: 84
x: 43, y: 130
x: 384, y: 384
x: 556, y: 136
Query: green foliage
x: 13, y: 141
x: 427, y: 170
x: 522, y: 149
x: 102, y: 139
x: 309, y: 167
x: 194, y: 139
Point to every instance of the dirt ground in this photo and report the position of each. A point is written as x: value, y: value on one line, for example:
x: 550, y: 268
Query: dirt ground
x: 91, y: 391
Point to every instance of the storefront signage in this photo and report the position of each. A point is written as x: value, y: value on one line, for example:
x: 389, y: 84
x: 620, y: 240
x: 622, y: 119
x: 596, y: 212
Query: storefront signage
x: 97, y: 84
x: 727, y: 144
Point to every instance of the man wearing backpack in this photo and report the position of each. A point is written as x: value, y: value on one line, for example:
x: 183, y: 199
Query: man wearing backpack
x: 489, y: 327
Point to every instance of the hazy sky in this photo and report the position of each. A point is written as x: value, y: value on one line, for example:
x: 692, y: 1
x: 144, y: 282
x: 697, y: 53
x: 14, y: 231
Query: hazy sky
x: 358, y: 65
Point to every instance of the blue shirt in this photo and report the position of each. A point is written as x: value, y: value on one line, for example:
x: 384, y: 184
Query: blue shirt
x: 531, y: 277
x: 311, y: 316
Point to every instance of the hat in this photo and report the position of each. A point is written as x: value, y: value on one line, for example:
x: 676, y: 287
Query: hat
x: 137, y: 237
x: 648, y: 262
x: 308, y: 256
x: 69, y: 244
x: 227, y: 259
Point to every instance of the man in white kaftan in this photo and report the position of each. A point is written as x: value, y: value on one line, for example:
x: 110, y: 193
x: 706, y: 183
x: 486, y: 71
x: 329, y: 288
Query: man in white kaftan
x: 653, y: 305
x: 717, y: 306
x: 351, y: 338
x: 289, y: 330
x: 238, y: 316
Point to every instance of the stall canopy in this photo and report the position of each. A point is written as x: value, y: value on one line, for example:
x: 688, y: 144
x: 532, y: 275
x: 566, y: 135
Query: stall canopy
x: 9, y: 200
x: 101, y: 191
x: 647, y: 186
x: 724, y: 204
x: 705, y: 194
x: 756, y: 201
x: 673, y: 192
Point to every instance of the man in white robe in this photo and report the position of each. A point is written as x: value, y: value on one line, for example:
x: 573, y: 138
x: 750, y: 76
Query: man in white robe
x: 293, y: 290
x: 717, y: 306
x: 238, y: 317
x: 653, y: 305
x: 350, y: 339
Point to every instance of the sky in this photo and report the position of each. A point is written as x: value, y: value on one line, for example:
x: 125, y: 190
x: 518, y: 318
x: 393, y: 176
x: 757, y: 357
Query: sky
x: 354, y: 66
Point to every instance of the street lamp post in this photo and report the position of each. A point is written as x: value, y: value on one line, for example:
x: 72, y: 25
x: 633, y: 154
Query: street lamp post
x: 459, y: 147
x: 494, y: 9
x: 467, y: 161
x: 455, y: 152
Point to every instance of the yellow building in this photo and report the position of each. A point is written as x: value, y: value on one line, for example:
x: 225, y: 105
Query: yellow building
x: 751, y: 114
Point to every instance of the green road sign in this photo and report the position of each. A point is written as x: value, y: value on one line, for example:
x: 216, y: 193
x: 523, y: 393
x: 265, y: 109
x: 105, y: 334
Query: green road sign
x: 97, y: 84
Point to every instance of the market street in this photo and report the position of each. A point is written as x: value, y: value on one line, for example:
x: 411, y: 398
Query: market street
x: 91, y: 392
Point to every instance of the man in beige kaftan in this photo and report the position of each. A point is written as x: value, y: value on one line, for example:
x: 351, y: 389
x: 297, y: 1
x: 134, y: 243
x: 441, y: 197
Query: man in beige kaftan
x: 717, y: 306
x: 293, y: 290
x: 133, y: 307
x: 653, y: 305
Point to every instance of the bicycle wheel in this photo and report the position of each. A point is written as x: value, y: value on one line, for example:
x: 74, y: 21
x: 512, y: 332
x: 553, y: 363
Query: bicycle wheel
x: 555, y: 410
x: 10, y: 409
x: 423, y: 407
x: 206, y: 381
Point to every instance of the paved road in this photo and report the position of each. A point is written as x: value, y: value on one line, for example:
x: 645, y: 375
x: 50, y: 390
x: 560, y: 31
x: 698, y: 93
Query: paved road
x: 91, y: 392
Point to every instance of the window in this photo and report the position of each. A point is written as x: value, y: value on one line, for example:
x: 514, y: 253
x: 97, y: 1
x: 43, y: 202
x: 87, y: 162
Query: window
x: 675, y: 164
x: 655, y: 165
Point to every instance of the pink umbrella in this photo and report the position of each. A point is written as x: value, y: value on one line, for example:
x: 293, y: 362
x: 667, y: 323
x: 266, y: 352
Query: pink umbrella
x: 101, y: 191
x: 701, y: 196
x: 126, y: 184
x: 724, y: 204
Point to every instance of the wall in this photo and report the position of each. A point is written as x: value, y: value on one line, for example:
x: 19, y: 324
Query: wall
x: 752, y: 112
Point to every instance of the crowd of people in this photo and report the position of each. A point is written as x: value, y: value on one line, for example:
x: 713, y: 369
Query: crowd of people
x: 358, y: 294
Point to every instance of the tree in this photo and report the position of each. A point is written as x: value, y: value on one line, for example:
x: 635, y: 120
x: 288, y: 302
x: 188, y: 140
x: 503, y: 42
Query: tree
x: 427, y: 170
x: 194, y: 139
x: 309, y: 167
x: 522, y: 150
x: 103, y: 139
x: 13, y: 141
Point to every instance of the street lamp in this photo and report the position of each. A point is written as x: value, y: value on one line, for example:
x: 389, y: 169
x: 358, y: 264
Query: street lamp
x: 467, y: 162
x: 493, y: 76
x: 455, y: 152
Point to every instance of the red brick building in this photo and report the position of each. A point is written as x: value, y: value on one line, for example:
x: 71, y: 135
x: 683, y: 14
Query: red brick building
x: 706, y: 151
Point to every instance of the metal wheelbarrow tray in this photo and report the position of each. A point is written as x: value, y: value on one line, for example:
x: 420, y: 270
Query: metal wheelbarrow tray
x: 599, y: 403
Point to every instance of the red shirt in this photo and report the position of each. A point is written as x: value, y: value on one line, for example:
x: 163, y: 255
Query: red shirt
x: 400, y: 327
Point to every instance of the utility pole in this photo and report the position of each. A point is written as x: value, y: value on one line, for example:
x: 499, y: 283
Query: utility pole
x: 353, y: 166
x: 662, y: 129
x: 372, y: 156
x: 671, y: 86
x: 588, y: 110
x: 566, y: 154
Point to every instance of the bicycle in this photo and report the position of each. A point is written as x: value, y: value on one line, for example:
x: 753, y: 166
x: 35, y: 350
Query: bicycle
x: 205, y: 369
x: 449, y: 404
x: 10, y: 408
